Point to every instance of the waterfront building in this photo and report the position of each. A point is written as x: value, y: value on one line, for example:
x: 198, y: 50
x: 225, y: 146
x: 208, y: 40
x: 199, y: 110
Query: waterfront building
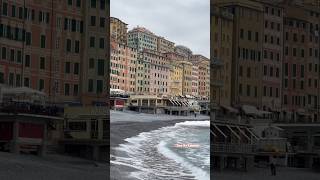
x: 46, y: 45
x: 221, y: 56
x: 123, y: 67
x: 141, y: 38
x: 195, y: 81
x: 176, y: 76
x: 118, y: 31
x: 203, y: 65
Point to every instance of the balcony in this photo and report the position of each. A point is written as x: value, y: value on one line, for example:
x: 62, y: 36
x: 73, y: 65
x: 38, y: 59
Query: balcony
x: 217, y: 83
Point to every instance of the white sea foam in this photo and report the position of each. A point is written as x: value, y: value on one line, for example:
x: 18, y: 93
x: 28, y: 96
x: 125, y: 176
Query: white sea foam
x: 194, y: 123
x: 148, y: 153
x: 196, y: 171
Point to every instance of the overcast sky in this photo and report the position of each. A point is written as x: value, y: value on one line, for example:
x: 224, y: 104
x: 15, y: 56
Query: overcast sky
x: 185, y: 22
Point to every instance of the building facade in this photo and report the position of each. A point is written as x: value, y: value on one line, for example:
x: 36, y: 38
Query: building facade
x: 141, y: 38
x: 221, y: 56
x: 118, y: 31
x: 46, y: 45
x: 165, y: 45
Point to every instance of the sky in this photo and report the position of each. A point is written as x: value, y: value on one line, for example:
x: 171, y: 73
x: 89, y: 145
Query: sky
x: 184, y: 22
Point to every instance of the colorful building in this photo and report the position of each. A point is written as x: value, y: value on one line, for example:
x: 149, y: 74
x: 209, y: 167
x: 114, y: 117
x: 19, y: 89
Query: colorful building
x: 49, y: 46
x: 118, y: 31
x: 141, y: 38
x: 164, y: 45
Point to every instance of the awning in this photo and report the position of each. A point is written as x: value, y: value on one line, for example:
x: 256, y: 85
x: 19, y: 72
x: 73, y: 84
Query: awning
x: 230, y: 109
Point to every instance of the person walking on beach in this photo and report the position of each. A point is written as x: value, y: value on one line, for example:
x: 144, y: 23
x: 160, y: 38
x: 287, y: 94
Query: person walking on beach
x: 273, y: 167
x: 195, y: 115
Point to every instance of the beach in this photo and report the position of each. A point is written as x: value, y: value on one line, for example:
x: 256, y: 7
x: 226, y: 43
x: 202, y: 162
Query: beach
x: 121, y: 129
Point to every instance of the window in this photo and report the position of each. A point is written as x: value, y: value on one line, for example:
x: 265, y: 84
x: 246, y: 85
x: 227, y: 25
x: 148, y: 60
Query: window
x: 90, y: 85
x: 285, y: 99
x: 75, y: 90
x: 286, y: 69
x: 294, y: 70
x: 99, y: 86
x: 43, y: 41
x: 70, y: 2
x: 249, y: 35
x: 28, y: 38
x: 302, y: 71
x: 11, y: 79
x: 92, y: 42
x: 271, y: 71
x: 265, y: 70
x: 101, y: 43
x: 240, y: 71
x: 19, y: 56
x: 295, y: 38
x: 264, y: 91
x: 301, y: 85
x: 68, y: 45
x: 26, y: 82
x: 18, y: 80
x: 73, y: 25
x: 294, y: 52
x: 13, y: 11
x: 93, y: 3
x: 27, y: 61
x: 287, y: 36
x: 67, y: 67
x: 266, y: 24
x: 5, y: 9
x: 241, y: 33
x: 286, y: 50
x: 102, y: 4
x: 270, y: 92
x: 278, y: 27
x: 4, y: 53
x: 91, y: 63
x: 41, y: 84
x: 93, y: 21
x: 12, y: 55
x: 66, y: 89
x: 302, y: 38
x: 78, y: 3
x: 100, y: 67
x: 240, y: 89
x: 77, y: 46
x: 248, y: 90
x: 286, y: 83
x: 102, y: 22
x: 76, y: 68
x: 257, y: 37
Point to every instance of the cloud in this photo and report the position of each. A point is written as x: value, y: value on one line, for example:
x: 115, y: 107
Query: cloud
x: 185, y: 22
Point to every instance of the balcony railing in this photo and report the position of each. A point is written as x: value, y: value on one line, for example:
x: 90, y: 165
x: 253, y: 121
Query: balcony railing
x: 234, y: 148
x: 217, y: 83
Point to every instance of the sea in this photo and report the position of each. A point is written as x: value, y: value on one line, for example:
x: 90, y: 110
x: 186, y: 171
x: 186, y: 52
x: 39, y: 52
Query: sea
x: 179, y: 152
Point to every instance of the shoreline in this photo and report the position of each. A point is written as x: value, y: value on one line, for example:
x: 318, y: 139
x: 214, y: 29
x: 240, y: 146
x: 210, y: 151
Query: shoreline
x: 119, y: 131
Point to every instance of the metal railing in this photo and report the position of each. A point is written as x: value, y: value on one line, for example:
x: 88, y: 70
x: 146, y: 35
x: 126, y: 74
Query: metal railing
x: 234, y: 148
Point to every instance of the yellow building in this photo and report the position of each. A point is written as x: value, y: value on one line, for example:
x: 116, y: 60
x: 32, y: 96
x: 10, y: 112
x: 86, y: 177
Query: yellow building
x: 186, y: 77
x: 176, y: 73
x: 118, y: 30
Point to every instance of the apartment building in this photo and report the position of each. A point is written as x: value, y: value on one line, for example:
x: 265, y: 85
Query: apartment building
x: 221, y: 56
x: 141, y: 38
x: 123, y: 67
x: 176, y: 78
x: 195, y: 81
x: 247, y: 51
x: 164, y: 45
x: 301, y: 63
x: 203, y: 65
x: 46, y: 45
x: 118, y: 31
x: 272, y: 56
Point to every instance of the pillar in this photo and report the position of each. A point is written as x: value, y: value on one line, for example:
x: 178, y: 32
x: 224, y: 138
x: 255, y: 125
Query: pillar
x: 96, y: 153
x: 43, y: 146
x: 14, y: 143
